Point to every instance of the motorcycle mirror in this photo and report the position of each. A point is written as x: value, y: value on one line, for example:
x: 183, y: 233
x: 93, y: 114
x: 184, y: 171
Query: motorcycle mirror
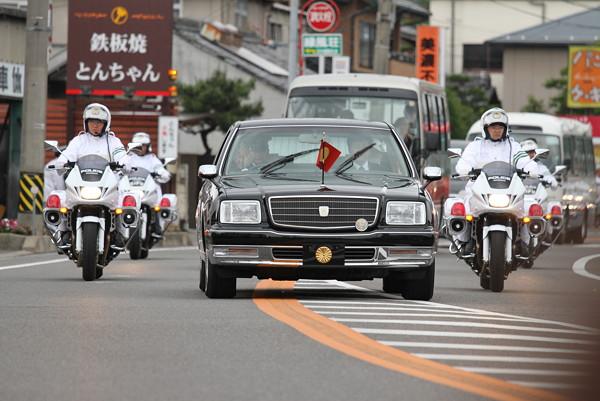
x: 541, y: 153
x: 53, y: 146
x: 454, y: 152
x: 431, y: 174
x: 169, y: 160
x: 208, y: 171
x: 559, y: 169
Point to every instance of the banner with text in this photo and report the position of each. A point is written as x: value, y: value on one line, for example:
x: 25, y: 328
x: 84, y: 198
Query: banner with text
x: 584, y: 77
x: 119, y: 47
x: 428, y: 62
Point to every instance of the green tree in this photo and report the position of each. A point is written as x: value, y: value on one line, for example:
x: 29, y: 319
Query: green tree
x: 534, y: 105
x: 559, y: 102
x: 220, y: 102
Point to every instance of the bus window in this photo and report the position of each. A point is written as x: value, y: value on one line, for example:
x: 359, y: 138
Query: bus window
x: 432, y: 134
x: 579, y: 157
x: 590, y: 166
x: 568, y: 151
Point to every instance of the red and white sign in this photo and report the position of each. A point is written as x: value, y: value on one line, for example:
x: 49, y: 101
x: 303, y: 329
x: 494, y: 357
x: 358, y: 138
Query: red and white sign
x: 321, y: 16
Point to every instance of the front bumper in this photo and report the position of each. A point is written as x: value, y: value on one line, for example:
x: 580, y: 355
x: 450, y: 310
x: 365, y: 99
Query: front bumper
x: 387, y: 248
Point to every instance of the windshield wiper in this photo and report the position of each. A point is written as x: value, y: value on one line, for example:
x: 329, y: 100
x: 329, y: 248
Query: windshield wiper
x: 348, y: 163
x: 284, y: 160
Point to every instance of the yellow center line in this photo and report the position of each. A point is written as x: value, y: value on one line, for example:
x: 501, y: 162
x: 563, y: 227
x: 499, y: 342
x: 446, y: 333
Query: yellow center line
x: 276, y: 299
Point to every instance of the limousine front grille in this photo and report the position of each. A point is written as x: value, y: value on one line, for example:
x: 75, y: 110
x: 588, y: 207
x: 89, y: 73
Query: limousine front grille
x: 287, y: 253
x: 322, y: 212
x: 360, y: 253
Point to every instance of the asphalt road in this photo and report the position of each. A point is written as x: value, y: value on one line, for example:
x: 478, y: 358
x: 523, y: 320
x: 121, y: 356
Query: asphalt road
x: 145, y: 331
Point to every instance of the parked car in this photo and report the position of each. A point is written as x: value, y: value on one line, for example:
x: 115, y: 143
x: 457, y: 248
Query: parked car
x: 266, y: 210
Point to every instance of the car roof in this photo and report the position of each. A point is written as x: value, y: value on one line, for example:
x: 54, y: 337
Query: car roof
x: 548, y: 123
x: 326, y: 122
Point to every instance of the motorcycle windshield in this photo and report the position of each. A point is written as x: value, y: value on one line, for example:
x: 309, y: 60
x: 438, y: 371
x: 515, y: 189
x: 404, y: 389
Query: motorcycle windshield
x: 92, y: 167
x: 499, y: 174
x: 531, y: 185
x: 138, y: 177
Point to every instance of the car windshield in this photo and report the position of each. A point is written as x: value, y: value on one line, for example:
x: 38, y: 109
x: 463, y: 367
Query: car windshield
x: 138, y: 177
x: 254, y: 151
x: 401, y: 113
x: 498, y: 174
x: 92, y: 167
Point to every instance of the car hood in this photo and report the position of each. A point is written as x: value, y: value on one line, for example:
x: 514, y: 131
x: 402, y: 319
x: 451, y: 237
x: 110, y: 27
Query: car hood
x: 361, y: 185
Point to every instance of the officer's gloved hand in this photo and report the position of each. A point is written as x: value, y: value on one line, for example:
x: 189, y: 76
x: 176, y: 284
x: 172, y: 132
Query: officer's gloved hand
x: 115, y: 165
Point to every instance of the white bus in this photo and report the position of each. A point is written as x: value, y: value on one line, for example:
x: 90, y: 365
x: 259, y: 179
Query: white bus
x: 417, y: 110
x: 570, y: 144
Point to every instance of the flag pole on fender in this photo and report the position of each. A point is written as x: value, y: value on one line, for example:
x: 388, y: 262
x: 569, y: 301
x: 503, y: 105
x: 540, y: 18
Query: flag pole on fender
x: 326, y: 158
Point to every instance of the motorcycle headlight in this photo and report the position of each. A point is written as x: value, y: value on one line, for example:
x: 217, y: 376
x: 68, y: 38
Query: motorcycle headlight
x: 90, y: 193
x: 405, y: 213
x: 240, y: 212
x: 499, y: 200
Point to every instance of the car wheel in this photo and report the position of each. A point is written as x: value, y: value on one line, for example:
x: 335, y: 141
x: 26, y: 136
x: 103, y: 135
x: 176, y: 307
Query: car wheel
x: 580, y: 233
x: 420, y: 289
x: 202, y: 275
x: 217, y: 286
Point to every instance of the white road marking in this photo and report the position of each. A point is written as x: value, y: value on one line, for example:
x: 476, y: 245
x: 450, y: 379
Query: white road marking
x: 488, y: 358
x: 44, y: 262
x: 388, y: 308
x: 413, y: 344
x: 579, y: 267
x: 496, y: 336
x: 466, y: 315
x: 509, y: 371
x: 462, y: 324
x: 544, y: 385
x: 47, y: 262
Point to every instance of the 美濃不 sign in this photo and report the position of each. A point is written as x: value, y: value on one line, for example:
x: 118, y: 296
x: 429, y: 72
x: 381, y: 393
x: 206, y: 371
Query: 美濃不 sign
x: 428, y: 56
x: 322, y: 16
x: 118, y: 47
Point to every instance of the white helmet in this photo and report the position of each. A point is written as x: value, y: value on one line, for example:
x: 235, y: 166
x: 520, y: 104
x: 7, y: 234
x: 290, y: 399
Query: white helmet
x: 143, y: 138
x: 96, y: 111
x: 528, y: 145
x: 494, y: 116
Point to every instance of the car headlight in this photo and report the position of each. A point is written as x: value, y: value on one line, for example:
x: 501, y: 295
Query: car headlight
x: 90, y: 193
x: 405, y: 213
x: 499, y: 200
x: 240, y: 212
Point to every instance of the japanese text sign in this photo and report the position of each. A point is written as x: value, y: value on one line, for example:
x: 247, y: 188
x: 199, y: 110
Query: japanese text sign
x: 584, y: 77
x: 428, y: 53
x: 322, y: 16
x: 12, y: 78
x: 168, y: 131
x: 321, y: 44
x: 118, y: 47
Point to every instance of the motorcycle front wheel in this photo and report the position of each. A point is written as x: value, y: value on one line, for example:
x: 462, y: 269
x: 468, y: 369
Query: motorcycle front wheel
x: 89, y: 253
x: 496, y: 267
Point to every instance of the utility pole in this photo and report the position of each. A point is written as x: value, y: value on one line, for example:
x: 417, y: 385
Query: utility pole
x: 293, y: 42
x: 382, y: 36
x: 37, y: 40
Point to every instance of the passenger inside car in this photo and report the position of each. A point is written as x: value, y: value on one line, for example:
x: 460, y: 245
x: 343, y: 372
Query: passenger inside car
x: 253, y: 155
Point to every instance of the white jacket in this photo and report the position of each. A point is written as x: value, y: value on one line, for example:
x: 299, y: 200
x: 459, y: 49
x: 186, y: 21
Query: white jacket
x: 548, y: 177
x: 481, y: 152
x: 107, y: 146
x: 149, y: 162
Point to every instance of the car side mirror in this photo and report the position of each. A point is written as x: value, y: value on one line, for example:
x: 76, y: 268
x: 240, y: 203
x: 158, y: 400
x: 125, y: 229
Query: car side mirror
x: 431, y: 174
x: 208, y: 171
x: 133, y: 145
x: 558, y: 170
x: 169, y: 160
x: 454, y: 152
x: 541, y: 154
x: 53, y: 146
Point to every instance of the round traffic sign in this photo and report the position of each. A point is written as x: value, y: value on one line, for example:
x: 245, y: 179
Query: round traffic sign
x: 321, y: 16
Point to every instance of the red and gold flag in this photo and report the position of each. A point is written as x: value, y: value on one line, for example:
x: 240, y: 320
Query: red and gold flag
x: 328, y: 154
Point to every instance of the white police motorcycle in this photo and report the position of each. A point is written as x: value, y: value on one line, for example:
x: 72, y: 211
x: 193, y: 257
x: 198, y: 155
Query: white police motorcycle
x: 494, y: 220
x: 156, y: 212
x: 83, y: 220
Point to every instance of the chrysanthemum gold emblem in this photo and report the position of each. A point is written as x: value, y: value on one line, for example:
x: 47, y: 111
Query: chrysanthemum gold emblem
x: 323, y: 254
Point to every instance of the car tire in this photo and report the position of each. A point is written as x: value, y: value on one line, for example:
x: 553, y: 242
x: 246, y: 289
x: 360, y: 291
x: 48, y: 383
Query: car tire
x: 217, y: 286
x: 420, y: 289
x: 202, y: 284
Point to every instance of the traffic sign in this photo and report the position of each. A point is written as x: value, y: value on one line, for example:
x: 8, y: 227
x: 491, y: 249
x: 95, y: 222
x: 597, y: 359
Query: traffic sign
x: 321, y: 16
x: 329, y: 44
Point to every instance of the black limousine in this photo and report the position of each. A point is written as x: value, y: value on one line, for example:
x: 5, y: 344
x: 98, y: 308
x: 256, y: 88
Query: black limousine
x: 293, y: 199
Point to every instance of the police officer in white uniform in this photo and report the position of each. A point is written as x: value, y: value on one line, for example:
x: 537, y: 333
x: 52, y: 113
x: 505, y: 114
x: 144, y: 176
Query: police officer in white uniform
x: 495, y: 144
x: 142, y: 157
x: 529, y: 146
x: 96, y: 138
x: 53, y: 179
